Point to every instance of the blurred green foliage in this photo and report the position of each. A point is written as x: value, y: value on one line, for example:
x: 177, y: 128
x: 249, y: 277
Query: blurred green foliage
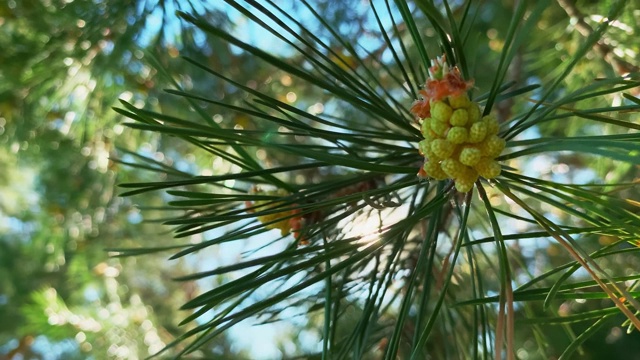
x: 64, y: 66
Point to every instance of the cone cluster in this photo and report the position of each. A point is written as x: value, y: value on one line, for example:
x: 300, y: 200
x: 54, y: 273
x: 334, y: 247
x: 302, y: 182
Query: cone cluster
x: 459, y: 143
x: 280, y: 220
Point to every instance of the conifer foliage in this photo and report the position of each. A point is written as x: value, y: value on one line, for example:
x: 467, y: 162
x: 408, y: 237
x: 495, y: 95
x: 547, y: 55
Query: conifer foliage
x: 397, y: 191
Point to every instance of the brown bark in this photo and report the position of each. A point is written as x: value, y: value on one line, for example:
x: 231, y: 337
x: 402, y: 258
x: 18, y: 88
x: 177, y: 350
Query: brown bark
x: 620, y: 66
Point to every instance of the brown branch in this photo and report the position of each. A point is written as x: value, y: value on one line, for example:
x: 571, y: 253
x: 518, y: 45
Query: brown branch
x: 620, y: 66
x: 23, y: 349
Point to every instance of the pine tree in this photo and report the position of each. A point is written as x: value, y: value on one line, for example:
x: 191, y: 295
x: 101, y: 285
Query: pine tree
x: 412, y: 191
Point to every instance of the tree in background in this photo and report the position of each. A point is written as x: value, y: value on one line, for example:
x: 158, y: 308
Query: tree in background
x: 64, y: 65
x: 515, y: 237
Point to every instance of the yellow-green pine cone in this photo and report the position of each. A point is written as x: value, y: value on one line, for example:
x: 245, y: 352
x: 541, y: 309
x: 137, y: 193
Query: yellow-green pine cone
x: 430, y: 135
x: 477, y: 132
x: 465, y: 182
x: 474, y: 112
x: 423, y: 147
x: 433, y: 169
x: 470, y: 155
x: 263, y: 218
x: 453, y: 168
x: 430, y: 155
x: 425, y: 127
x: 459, y: 117
x: 442, y: 148
x: 470, y: 174
x: 279, y: 192
x: 492, y: 124
x: 459, y: 101
x: 441, y: 111
x: 492, y: 146
x: 456, y: 151
x: 283, y: 225
x: 440, y: 128
x: 457, y: 135
x: 464, y: 186
x: 488, y: 168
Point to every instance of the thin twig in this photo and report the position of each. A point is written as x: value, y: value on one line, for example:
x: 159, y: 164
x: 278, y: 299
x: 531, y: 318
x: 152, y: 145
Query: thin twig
x: 610, y: 287
x: 510, y: 322
x: 500, y: 328
x: 506, y: 308
x: 620, y: 66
